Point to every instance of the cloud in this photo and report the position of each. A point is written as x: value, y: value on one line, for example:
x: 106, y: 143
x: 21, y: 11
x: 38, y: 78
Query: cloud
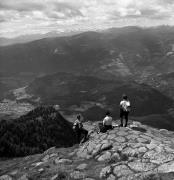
x: 62, y: 11
x: 65, y: 7
x: 2, y: 19
x: 21, y: 16
x: 20, y: 5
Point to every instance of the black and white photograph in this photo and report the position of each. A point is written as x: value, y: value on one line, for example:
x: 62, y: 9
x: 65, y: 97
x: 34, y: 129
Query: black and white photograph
x: 86, y: 89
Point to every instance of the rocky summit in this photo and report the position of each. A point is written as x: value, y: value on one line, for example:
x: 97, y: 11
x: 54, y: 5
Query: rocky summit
x: 137, y: 152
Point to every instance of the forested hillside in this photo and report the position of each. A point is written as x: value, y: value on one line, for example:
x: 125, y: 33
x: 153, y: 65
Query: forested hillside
x: 35, y: 132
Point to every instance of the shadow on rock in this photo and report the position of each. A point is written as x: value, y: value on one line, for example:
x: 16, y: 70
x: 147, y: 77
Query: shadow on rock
x: 139, y: 129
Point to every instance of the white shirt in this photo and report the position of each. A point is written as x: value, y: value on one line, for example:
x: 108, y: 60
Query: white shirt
x: 107, y: 121
x: 125, y: 104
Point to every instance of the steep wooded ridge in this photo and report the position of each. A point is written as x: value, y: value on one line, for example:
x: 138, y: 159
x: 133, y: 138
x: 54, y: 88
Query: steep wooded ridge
x: 138, y: 153
x: 35, y: 132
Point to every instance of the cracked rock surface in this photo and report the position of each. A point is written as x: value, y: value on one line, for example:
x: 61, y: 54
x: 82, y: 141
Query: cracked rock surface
x: 118, y: 154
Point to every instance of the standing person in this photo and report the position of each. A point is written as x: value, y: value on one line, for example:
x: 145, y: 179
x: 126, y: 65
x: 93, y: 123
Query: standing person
x: 79, y: 130
x: 124, y: 109
x: 107, y: 122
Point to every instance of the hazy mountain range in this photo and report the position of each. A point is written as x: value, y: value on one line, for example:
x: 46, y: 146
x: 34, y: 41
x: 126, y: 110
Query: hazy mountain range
x: 82, y: 70
x: 125, y: 52
x: 4, y: 41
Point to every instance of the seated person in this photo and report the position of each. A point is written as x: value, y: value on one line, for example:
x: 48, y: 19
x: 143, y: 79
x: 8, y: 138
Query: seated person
x: 107, y: 123
x: 79, y: 130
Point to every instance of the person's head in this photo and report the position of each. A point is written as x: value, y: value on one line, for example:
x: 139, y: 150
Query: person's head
x: 78, y: 116
x: 124, y: 97
x: 108, y: 113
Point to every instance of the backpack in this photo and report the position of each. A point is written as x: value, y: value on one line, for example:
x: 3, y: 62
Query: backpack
x: 125, y: 106
x: 77, y: 126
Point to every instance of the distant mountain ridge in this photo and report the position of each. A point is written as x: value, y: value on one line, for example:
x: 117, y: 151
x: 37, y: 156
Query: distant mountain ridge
x: 4, y: 41
x: 125, y: 52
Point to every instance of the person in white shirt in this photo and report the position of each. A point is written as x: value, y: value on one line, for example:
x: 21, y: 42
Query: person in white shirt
x: 124, y: 110
x: 107, y: 122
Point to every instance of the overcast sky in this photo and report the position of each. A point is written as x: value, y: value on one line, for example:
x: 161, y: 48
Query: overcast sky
x: 18, y: 17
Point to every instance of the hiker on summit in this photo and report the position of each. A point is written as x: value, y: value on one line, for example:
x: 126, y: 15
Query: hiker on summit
x: 107, y: 121
x: 124, y: 110
x: 106, y: 124
x: 79, y: 130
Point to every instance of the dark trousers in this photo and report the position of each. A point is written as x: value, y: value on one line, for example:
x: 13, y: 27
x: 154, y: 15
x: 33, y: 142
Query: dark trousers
x: 104, y: 128
x: 107, y: 127
x: 81, y: 132
x: 124, y: 114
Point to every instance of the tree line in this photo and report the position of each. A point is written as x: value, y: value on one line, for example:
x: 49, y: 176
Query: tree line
x: 35, y: 132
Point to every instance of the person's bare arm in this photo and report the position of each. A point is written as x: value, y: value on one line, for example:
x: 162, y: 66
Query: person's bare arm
x: 104, y: 121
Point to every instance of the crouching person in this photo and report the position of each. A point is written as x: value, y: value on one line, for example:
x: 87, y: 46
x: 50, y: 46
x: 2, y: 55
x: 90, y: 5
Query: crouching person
x: 79, y: 130
x: 106, y: 124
